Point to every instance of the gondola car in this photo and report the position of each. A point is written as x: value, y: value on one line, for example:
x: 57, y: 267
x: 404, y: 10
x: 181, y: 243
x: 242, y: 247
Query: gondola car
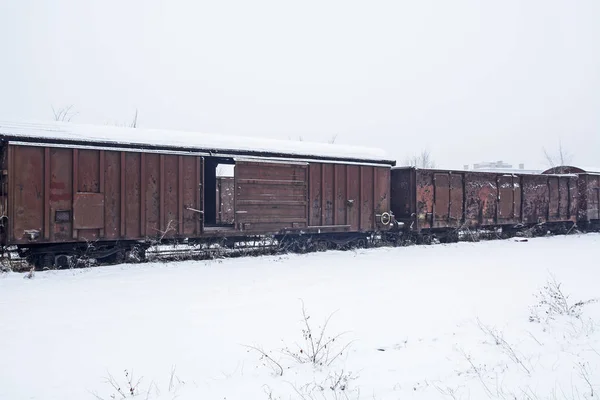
x: 107, y: 193
x: 435, y: 203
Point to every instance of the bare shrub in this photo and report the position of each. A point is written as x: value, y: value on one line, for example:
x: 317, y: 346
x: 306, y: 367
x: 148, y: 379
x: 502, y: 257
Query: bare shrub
x: 267, y: 360
x: 318, y: 348
x: 129, y: 386
x: 505, y: 347
x: 552, y: 302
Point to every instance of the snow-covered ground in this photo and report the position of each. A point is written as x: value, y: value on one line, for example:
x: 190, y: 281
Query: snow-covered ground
x: 424, y: 322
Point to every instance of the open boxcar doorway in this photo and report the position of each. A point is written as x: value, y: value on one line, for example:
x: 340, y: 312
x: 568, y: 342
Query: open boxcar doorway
x: 218, y: 193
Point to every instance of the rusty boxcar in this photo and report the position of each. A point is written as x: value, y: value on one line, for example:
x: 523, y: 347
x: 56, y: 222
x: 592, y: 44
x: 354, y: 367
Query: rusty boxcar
x: 108, y: 192
x: 442, y: 202
x: 588, y: 187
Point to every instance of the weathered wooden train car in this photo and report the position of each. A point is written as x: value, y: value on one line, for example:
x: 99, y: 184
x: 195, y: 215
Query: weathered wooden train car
x: 432, y: 200
x: 106, y: 192
x: 588, y: 186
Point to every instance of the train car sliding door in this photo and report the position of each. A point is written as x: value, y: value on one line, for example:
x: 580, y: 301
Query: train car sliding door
x: 270, y: 196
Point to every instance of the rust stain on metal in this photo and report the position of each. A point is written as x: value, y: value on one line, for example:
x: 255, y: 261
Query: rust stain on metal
x: 101, y: 188
x: 46, y: 193
x: 122, y: 167
x: 75, y: 182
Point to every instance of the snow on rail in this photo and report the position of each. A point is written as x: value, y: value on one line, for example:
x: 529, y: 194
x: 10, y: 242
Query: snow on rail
x: 185, y: 140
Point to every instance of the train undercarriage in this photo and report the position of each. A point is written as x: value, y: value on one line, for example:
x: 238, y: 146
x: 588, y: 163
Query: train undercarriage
x: 78, y: 255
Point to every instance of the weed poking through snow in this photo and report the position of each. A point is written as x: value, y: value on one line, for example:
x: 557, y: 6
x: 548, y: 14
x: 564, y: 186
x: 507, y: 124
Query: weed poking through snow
x: 553, y: 302
x: 319, y: 348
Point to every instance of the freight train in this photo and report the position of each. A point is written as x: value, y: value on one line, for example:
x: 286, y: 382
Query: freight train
x: 71, y: 193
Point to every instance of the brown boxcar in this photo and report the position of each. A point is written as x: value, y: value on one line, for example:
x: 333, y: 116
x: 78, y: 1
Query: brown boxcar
x: 74, y: 185
x: 588, y: 187
x: 431, y: 199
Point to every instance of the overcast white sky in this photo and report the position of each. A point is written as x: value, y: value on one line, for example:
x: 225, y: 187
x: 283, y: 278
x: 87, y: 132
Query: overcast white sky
x: 470, y: 80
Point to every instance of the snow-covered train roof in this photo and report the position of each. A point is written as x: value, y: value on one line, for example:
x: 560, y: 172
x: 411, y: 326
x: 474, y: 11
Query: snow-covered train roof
x: 209, y: 144
x: 569, y: 169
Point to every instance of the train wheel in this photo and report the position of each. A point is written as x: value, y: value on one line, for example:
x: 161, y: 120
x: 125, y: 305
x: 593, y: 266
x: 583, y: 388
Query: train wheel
x: 47, y: 261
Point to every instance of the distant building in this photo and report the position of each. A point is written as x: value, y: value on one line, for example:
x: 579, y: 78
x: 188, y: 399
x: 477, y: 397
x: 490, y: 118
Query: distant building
x: 500, y: 166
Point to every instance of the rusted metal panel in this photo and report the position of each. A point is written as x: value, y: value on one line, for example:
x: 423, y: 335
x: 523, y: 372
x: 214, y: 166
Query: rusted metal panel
x: 518, y: 199
x: 75, y: 180
x: 573, y: 199
x: 171, y: 207
x: 348, y: 195
x: 152, y: 202
x: 112, y: 194
x: 88, y: 171
x: 161, y: 196
x: 441, y: 204
x: 367, y: 209
x: 506, y: 199
x: 180, y: 227
x: 225, y: 199
x: 553, y: 198
x: 353, y: 196
x: 535, y: 199
x: 88, y: 212
x: 424, y: 198
x: 340, y: 196
x: 61, y: 194
x: 133, y: 198
x: 47, y: 193
x: 191, y: 190
x: 102, y: 184
x: 254, y: 212
x: 593, y: 197
x: 328, y: 183
x: 27, y: 193
x: 456, y: 199
x: 481, y: 191
x: 315, y: 190
x: 122, y: 167
x: 564, y: 198
x: 88, y: 181
x: 382, y: 190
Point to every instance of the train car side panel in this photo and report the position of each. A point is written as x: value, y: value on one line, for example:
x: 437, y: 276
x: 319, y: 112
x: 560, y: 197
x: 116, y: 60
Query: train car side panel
x: 593, y: 197
x: 132, y: 219
x: 112, y: 195
x: 535, y: 199
x: 352, y: 197
x: 367, y: 190
x: 382, y: 191
x: 262, y: 200
x: 481, y: 194
x: 457, y: 201
x: 61, y: 195
x: 348, y: 196
x: 424, y: 198
x: 340, y: 213
x: 26, y: 177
